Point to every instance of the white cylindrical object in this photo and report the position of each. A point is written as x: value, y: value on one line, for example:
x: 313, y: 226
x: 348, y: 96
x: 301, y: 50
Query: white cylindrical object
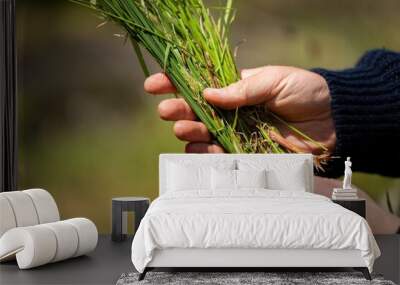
x: 33, y: 246
x: 87, y: 234
x: 67, y: 239
x: 40, y: 244
x: 45, y: 205
x: 7, y: 218
x: 23, y: 207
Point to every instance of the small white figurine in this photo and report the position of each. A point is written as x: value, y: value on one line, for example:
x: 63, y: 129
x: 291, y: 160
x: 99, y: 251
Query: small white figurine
x: 347, y: 174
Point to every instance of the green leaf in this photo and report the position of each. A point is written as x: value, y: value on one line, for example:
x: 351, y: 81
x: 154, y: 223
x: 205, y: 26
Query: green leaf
x: 140, y: 57
x: 167, y: 52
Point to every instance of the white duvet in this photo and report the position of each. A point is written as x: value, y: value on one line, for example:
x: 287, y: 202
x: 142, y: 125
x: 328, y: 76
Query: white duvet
x: 250, y: 219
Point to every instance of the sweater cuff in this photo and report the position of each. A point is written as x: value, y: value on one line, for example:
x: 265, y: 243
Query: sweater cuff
x: 365, y: 104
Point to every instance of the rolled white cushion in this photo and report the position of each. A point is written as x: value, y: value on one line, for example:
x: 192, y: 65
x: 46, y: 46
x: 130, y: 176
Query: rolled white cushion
x: 45, y: 205
x: 40, y: 244
x: 67, y: 240
x: 7, y: 218
x: 23, y: 208
x: 87, y: 235
x: 33, y: 246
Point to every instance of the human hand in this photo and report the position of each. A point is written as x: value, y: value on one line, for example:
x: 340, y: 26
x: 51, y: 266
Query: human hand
x: 298, y: 96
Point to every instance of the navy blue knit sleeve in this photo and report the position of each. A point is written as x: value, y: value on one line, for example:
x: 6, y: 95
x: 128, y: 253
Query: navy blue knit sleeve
x: 365, y: 102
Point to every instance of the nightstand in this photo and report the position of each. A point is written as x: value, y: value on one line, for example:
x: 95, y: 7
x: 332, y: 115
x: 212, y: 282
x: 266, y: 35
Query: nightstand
x: 120, y: 207
x: 357, y: 206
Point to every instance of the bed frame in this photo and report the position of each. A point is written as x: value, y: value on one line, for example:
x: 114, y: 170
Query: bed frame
x: 249, y: 259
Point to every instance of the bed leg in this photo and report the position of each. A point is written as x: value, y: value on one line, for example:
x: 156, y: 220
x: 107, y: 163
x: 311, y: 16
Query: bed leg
x: 364, y: 271
x: 143, y: 274
x: 366, y: 274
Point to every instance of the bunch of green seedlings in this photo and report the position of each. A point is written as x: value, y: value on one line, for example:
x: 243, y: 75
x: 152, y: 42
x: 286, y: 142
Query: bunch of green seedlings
x: 192, y: 46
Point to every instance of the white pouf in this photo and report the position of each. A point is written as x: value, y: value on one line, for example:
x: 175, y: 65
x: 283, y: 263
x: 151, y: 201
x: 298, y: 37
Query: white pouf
x: 23, y: 208
x: 7, y: 218
x: 46, y: 207
x: 37, y: 245
x: 33, y: 246
x: 67, y: 240
x: 31, y: 232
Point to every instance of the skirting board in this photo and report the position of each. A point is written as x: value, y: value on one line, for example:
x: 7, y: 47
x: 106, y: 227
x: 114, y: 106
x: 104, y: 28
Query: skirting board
x: 177, y: 257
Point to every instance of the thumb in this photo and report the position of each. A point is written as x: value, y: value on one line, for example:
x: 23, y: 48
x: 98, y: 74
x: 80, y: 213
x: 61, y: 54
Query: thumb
x: 251, y: 90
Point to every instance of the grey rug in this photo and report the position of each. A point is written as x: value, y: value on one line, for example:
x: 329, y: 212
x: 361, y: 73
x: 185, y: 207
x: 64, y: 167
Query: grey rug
x: 233, y: 278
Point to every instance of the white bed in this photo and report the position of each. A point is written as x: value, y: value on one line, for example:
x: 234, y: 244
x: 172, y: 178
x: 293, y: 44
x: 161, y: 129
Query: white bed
x: 281, y: 225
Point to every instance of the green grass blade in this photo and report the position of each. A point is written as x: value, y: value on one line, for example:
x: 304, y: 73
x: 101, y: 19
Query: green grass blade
x: 140, y: 57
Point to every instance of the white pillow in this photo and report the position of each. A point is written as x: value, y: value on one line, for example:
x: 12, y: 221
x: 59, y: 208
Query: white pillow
x: 223, y: 179
x: 281, y: 175
x: 184, y: 178
x: 251, y: 178
x: 291, y: 179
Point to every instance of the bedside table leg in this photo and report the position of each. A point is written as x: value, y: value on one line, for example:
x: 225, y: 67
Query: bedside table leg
x: 116, y: 231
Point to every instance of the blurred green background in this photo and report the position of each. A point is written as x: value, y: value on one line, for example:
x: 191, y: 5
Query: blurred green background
x: 87, y: 130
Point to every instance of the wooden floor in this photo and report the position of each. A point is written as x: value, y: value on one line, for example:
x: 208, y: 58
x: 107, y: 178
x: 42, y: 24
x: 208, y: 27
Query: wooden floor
x: 110, y: 260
